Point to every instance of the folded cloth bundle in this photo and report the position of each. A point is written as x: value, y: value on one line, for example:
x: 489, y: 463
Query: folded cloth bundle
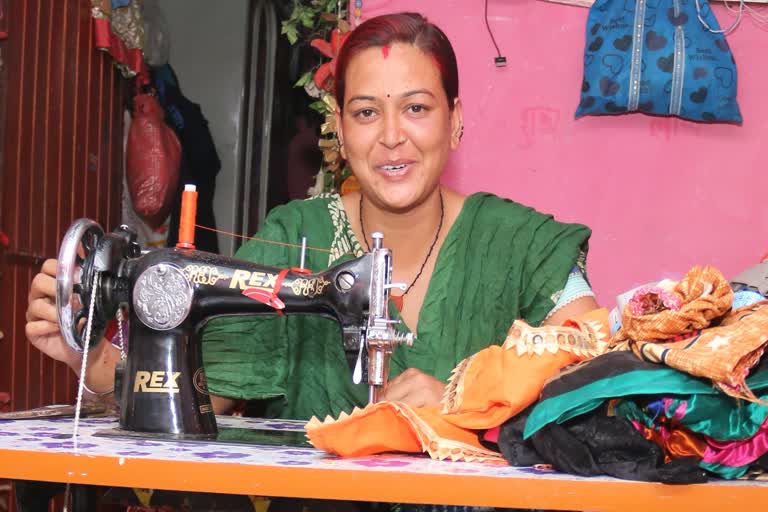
x: 724, y: 354
x: 673, y: 327
x: 652, y: 315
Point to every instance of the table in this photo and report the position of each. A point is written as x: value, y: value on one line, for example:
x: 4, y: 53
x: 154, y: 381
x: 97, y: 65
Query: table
x: 43, y: 450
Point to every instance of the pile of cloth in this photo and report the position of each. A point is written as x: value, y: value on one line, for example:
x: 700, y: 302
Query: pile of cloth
x: 678, y: 393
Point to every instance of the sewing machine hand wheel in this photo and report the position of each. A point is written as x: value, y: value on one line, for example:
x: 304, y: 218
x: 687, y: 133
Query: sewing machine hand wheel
x: 74, y: 284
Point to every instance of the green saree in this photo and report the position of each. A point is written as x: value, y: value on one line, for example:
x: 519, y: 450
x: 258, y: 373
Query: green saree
x: 500, y: 261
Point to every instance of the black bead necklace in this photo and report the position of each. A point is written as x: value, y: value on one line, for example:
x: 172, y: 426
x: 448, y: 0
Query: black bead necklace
x: 429, y: 253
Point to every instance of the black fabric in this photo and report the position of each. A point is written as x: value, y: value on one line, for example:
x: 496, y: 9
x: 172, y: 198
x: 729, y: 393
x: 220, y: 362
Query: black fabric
x: 516, y: 450
x: 596, y: 444
x: 199, y: 162
x: 762, y: 462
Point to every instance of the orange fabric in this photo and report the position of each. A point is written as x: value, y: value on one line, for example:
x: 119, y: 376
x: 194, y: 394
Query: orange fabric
x: 394, y: 426
x: 364, y: 426
x: 484, y: 391
x: 489, y: 398
x: 675, y: 441
x: 496, y: 383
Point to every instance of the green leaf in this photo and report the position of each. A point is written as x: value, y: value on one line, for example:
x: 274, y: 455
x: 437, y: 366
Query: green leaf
x: 307, y: 19
x: 319, y: 106
x: 304, y: 80
x: 295, y: 12
x: 290, y: 32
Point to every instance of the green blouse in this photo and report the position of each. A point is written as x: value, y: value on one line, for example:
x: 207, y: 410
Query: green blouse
x: 500, y: 261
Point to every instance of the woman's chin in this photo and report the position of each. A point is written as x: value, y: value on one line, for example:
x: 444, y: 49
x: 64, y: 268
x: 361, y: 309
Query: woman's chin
x: 399, y: 200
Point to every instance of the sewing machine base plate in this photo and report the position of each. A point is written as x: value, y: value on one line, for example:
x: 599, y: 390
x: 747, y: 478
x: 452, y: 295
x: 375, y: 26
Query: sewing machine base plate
x: 226, y: 435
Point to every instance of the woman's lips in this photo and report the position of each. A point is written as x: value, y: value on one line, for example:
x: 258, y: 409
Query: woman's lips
x: 395, y: 169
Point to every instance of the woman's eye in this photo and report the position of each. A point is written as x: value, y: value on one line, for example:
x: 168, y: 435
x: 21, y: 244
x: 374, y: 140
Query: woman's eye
x: 417, y: 109
x: 366, y: 112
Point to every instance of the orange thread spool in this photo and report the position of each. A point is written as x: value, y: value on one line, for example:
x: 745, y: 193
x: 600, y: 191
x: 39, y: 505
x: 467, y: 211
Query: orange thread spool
x: 187, y: 219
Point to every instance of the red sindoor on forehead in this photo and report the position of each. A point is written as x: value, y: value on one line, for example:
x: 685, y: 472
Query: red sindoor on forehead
x: 385, y: 51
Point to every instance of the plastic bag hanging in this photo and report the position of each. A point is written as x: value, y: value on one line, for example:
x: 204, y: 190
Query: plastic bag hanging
x: 654, y: 56
x: 153, y: 157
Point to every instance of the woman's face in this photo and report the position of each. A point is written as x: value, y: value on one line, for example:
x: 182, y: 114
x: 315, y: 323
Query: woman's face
x: 395, y: 124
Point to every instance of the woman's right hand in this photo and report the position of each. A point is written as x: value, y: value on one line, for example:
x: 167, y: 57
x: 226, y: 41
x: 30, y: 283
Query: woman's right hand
x: 43, y: 332
x: 42, y: 327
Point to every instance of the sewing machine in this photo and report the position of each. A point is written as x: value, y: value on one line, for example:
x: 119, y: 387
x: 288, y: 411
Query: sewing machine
x: 172, y: 293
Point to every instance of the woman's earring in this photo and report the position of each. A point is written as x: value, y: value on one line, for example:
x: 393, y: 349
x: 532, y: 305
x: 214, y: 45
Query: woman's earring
x: 461, y: 132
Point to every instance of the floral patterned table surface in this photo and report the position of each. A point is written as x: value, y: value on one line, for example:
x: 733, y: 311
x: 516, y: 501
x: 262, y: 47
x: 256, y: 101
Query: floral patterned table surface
x: 55, y: 435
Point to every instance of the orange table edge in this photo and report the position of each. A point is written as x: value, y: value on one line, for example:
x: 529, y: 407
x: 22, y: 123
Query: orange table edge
x: 386, y: 486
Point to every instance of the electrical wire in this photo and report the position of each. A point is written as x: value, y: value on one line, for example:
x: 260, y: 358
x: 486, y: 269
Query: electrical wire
x: 490, y: 33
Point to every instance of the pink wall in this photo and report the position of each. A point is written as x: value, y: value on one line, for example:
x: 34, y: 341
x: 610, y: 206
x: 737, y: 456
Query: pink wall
x: 660, y: 194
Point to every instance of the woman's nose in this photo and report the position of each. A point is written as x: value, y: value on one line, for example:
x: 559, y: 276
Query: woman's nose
x: 392, y: 134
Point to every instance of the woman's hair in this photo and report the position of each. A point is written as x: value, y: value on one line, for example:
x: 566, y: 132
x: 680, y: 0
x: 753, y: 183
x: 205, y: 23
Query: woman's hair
x: 409, y: 28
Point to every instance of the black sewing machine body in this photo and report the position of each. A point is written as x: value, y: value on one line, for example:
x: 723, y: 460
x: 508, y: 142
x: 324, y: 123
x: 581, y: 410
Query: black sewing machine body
x: 172, y: 293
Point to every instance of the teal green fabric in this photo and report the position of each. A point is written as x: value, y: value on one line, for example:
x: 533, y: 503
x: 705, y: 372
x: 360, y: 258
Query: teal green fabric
x: 500, y: 261
x: 727, y: 472
x: 710, y: 412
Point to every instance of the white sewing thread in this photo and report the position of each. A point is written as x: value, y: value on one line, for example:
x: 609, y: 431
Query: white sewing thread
x: 83, y: 364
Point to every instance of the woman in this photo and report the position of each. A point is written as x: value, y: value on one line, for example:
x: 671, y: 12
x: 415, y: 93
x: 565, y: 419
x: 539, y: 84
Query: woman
x: 472, y: 265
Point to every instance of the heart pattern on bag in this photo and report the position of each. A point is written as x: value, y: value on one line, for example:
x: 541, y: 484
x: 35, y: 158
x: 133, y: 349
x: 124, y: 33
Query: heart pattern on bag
x: 614, y: 63
x: 699, y: 95
x: 680, y: 19
x: 666, y: 63
x: 655, y: 41
x: 724, y: 76
x: 623, y: 43
x: 596, y: 44
x: 608, y: 87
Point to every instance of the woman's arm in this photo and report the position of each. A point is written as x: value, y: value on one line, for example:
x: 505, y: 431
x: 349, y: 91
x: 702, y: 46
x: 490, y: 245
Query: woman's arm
x: 576, y: 308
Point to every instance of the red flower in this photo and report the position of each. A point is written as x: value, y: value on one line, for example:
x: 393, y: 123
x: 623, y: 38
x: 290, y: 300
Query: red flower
x: 326, y: 71
x: 4, y: 242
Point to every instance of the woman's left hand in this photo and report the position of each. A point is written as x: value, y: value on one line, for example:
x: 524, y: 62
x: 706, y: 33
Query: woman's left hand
x: 415, y: 388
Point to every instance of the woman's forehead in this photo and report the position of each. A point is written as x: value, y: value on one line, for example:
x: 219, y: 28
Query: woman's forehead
x: 397, y: 67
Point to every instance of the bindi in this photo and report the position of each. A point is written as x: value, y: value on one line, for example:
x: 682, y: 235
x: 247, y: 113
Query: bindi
x: 385, y: 51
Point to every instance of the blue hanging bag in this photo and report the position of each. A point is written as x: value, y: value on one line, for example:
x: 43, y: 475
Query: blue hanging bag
x: 663, y: 57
